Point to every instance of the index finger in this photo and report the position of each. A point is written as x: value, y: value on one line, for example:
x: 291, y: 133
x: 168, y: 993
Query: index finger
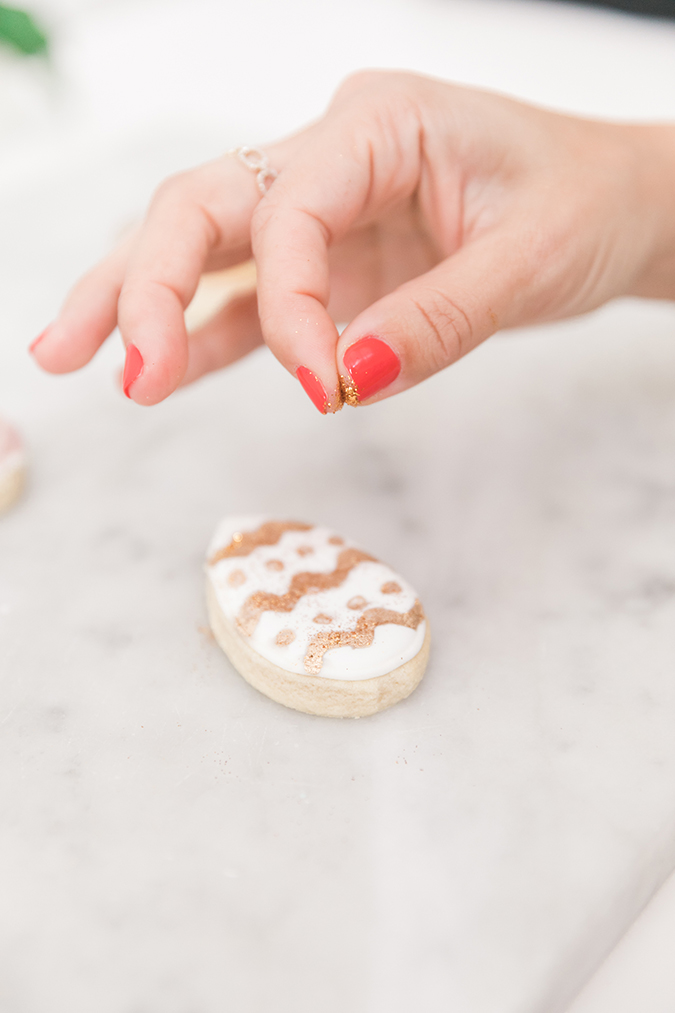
x: 330, y: 186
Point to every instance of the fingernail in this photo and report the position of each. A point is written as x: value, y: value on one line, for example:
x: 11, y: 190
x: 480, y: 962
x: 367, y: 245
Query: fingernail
x: 372, y: 365
x: 133, y: 367
x: 33, y: 345
x: 313, y: 388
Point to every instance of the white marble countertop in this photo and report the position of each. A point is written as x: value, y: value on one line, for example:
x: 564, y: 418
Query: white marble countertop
x: 173, y: 841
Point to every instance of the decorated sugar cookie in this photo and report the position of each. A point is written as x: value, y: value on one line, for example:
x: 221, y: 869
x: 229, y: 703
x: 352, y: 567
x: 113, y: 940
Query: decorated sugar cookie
x: 12, y: 465
x: 311, y: 620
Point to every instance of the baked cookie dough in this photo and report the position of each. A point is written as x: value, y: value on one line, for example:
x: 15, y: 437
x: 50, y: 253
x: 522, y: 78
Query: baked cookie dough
x: 311, y: 620
x: 216, y: 289
x: 12, y: 466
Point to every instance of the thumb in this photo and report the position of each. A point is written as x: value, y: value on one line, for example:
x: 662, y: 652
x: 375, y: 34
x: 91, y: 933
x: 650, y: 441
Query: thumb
x: 430, y: 322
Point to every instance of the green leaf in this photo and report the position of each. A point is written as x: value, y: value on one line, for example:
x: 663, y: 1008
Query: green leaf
x: 20, y: 31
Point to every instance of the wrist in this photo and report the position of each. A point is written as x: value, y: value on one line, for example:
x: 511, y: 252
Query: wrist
x: 654, y: 151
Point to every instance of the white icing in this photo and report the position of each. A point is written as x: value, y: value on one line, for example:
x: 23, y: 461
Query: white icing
x: 392, y: 645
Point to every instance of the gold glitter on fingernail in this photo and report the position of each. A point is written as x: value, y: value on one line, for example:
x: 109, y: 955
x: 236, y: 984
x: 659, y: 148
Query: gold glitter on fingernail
x: 336, y: 402
x: 350, y: 394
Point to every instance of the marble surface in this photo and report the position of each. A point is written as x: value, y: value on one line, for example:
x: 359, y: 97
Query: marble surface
x: 638, y: 973
x: 170, y: 840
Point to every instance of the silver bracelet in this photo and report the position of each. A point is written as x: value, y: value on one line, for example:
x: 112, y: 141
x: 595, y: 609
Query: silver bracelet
x: 258, y: 162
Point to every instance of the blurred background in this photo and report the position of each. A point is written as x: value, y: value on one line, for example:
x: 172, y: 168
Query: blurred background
x: 259, y: 69
x: 111, y: 96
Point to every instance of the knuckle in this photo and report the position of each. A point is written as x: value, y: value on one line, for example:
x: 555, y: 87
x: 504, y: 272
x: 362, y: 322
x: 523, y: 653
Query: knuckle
x: 357, y: 82
x: 446, y: 324
x: 171, y: 189
x: 363, y: 84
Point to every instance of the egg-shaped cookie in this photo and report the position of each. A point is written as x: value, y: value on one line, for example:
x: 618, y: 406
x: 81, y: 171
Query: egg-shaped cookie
x: 311, y: 619
x: 12, y: 466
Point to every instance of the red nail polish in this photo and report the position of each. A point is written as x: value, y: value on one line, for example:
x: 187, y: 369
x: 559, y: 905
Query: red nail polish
x: 372, y: 365
x: 33, y: 345
x: 133, y: 367
x: 313, y: 388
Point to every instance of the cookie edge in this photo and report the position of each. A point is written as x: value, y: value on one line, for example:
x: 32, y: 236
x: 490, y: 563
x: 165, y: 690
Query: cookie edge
x: 12, y: 487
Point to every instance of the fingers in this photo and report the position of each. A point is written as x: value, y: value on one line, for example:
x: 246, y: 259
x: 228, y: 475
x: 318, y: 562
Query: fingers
x: 161, y: 278
x: 330, y: 187
x: 429, y: 323
x: 198, y: 221
x: 365, y: 161
x: 293, y: 292
x: 361, y: 159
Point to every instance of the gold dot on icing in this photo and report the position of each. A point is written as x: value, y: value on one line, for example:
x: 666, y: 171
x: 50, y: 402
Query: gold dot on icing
x: 237, y: 537
x: 323, y: 618
x: 274, y: 564
x: 285, y: 637
x: 336, y: 540
x: 358, y: 602
x: 305, y: 550
x: 237, y: 578
x: 391, y: 587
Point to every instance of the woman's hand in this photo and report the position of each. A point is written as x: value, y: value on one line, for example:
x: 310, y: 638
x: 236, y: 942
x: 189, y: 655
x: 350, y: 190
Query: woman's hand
x: 429, y: 215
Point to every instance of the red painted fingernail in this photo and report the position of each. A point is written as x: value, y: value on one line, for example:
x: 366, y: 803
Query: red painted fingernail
x: 33, y: 345
x: 372, y: 365
x: 133, y: 367
x: 313, y: 388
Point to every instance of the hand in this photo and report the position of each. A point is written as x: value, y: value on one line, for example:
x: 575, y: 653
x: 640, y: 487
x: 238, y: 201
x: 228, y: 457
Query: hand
x: 429, y: 215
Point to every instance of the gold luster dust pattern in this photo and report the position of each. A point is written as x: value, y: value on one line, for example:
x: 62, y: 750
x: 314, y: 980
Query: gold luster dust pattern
x: 350, y: 394
x: 361, y: 636
x: 301, y: 584
x: 357, y: 602
x: 309, y: 650
x: 243, y: 543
